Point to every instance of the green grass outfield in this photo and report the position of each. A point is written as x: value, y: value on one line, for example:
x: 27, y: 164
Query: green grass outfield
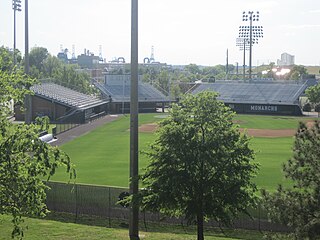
x: 102, y: 156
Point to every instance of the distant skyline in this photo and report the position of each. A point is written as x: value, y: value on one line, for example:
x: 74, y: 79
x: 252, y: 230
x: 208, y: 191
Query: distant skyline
x: 181, y: 31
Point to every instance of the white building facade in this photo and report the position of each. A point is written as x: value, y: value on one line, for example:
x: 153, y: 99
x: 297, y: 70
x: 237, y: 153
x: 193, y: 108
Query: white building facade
x: 286, y: 60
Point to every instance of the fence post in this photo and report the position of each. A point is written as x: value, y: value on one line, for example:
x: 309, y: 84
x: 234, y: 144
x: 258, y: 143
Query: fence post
x: 144, y: 220
x: 109, y: 206
x: 76, y: 202
x: 259, y: 215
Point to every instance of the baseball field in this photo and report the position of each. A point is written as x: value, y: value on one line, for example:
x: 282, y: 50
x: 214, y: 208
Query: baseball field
x: 102, y: 155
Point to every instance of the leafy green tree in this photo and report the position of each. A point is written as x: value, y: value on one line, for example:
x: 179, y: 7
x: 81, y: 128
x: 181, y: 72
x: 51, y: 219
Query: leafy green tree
x: 200, y: 164
x: 37, y: 57
x: 68, y: 76
x: 313, y: 94
x: 24, y: 159
x: 6, y: 59
x: 297, y: 72
x: 299, y: 206
x: 193, y: 69
x: 307, y: 107
x: 52, y: 66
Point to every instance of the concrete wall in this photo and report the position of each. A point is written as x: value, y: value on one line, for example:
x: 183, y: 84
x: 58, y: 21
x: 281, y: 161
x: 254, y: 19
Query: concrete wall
x: 267, y: 109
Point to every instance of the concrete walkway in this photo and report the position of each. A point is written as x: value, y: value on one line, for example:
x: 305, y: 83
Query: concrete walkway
x: 82, y: 129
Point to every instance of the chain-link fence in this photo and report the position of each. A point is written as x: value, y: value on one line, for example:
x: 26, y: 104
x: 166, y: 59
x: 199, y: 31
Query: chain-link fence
x: 102, y: 201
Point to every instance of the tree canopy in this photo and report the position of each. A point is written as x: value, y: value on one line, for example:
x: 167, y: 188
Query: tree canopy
x: 24, y: 159
x: 313, y: 94
x: 200, y: 164
x: 299, y: 206
x: 45, y: 66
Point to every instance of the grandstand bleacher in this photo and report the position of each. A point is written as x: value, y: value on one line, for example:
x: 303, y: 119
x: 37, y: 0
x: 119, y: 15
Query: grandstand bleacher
x: 118, y: 87
x: 266, y: 97
x: 62, y: 104
x: 65, y: 96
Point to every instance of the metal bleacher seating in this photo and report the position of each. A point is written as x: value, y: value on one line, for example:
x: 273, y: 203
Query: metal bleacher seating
x: 255, y: 92
x: 64, y: 95
x: 119, y: 90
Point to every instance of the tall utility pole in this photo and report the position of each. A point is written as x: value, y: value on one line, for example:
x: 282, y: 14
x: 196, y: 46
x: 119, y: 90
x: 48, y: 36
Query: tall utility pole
x: 28, y: 100
x: 26, y: 48
x: 252, y: 33
x: 134, y: 182
x: 227, y: 64
x: 242, y: 44
x: 16, y: 6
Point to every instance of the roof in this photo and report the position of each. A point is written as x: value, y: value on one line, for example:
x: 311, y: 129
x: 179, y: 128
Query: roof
x: 256, y: 92
x: 119, y: 89
x: 65, y: 96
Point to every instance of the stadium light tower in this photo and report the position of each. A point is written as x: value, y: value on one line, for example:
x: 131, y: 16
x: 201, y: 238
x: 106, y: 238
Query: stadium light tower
x: 26, y: 42
x: 16, y: 6
x: 252, y: 33
x: 243, y: 43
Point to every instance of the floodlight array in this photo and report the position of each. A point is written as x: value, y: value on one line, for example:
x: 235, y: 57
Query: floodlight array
x: 16, y: 5
x: 242, y: 42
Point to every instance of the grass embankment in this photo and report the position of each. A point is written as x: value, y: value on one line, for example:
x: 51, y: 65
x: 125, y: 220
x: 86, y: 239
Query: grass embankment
x: 98, y: 228
x: 102, y: 156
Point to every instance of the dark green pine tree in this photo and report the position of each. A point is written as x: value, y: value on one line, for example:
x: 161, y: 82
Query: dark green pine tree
x: 299, y: 206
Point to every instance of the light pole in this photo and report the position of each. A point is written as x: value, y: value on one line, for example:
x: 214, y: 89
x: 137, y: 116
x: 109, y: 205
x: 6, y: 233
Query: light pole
x: 243, y: 44
x: 16, y: 6
x: 134, y: 170
x: 28, y: 99
x: 251, y: 32
x: 26, y: 48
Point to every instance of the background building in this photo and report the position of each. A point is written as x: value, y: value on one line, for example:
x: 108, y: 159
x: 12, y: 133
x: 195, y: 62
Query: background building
x: 286, y: 60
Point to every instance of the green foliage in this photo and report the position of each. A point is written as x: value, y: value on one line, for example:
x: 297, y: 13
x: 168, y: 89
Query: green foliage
x: 13, y: 86
x: 24, y: 158
x: 307, y: 107
x: 313, y: 94
x: 37, y: 57
x: 43, y: 123
x: 200, y: 165
x: 45, y: 66
x: 299, y: 206
x: 6, y: 59
x: 68, y: 76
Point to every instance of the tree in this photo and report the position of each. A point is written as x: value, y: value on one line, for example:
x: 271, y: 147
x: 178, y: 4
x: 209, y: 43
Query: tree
x: 24, y: 159
x: 299, y: 206
x: 6, y: 59
x: 297, y: 72
x: 37, y: 57
x: 193, y: 68
x: 313, y: 94
x: 200, y: 164
x: 307, y: 107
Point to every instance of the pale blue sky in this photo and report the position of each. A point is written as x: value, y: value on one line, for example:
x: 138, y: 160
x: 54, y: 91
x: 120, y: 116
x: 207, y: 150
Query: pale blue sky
x: 181, y: 31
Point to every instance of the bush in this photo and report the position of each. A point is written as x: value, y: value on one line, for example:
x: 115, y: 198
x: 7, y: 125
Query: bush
x: 307, y: 107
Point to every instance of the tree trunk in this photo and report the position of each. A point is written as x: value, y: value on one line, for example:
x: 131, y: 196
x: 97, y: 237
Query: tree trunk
x: 200, y: 226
